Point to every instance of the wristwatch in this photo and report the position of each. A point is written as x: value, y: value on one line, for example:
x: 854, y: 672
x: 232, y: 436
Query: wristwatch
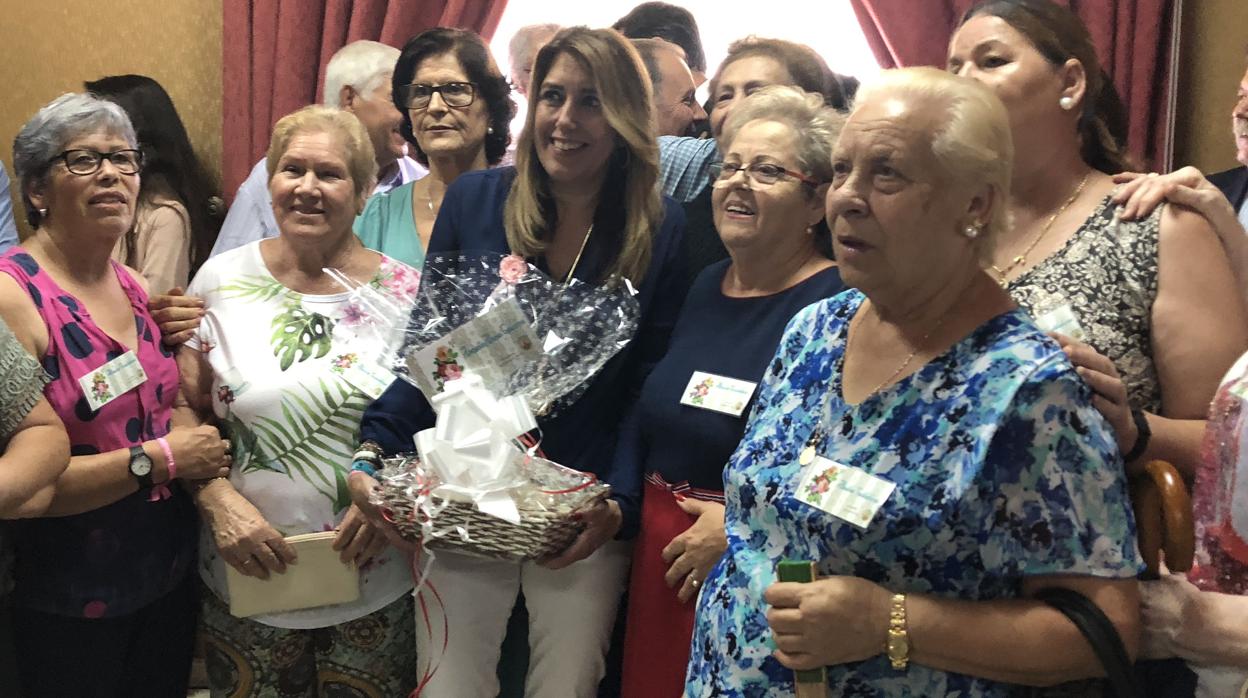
x: 1143, y: 433
x: 898, y: 639
x: 141, y: 467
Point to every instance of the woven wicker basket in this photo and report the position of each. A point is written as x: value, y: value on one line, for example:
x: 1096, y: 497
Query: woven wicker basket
x: 541, y: 533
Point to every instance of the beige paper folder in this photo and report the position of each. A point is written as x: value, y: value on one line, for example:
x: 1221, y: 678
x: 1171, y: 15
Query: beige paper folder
x: 318, y: 578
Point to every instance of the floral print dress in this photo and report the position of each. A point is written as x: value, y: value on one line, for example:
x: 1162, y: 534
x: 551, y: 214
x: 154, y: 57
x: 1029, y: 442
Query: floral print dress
x: 1002, y: 469
x: 288, y: 393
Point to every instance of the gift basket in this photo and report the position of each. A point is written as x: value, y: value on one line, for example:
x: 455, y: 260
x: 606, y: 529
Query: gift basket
x: 493, y: 343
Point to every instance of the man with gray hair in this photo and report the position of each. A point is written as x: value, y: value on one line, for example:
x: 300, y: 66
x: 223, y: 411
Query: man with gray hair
x: 676, y: 107
x: 357, y: 79
x: 523, y: 48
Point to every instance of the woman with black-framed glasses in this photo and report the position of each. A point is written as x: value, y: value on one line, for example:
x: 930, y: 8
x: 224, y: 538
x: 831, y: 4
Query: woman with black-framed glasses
x: 457, y: 109
x: 103, y: 583
x: 767, y: 203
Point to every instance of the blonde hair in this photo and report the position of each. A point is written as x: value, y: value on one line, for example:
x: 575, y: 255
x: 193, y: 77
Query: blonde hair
x: 630, y: 193
x: 815, y: 125
x: 315, y: 118
x: 972, y: 143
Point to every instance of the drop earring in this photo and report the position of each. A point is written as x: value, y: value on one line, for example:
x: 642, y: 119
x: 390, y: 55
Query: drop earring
x: 489, y: 131
x: 1067, y: 103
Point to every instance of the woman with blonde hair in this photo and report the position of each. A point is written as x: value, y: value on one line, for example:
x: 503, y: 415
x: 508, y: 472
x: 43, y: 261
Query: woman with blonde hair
x: 581, y: 202
x: 291, y: 408
x: 918, y: 442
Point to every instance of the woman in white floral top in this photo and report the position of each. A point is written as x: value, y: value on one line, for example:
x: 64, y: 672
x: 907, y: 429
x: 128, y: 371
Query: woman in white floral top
x: 280, y: 361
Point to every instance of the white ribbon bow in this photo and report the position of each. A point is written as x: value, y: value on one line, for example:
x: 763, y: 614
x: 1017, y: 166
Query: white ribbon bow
x: 471, y: 447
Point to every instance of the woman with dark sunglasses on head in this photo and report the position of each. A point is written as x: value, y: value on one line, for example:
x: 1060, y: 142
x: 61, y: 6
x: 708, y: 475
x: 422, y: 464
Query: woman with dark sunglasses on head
x: 457, y: 109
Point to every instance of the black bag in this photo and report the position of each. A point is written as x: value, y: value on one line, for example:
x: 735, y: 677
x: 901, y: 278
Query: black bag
x: 1103, y: 637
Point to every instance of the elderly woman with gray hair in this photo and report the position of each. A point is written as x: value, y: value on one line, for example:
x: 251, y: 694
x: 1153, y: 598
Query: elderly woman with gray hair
x: 767, y: 204
x: 918, y: 442
x: 103, y: 585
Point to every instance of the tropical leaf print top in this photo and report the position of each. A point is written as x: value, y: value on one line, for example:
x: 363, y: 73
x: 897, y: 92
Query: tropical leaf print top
x: 283, y: 389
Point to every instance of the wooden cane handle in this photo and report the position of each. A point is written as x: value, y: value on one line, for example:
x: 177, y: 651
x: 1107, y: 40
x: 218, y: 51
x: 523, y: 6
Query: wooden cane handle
x: 1178, y: 529
x: 1146, y: 502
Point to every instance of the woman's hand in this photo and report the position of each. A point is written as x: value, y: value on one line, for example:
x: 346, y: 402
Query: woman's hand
x: 1139, y: 194
x: 1109, y: 392
x: 177, y: 314
x: 245, y: 539
x: 833, y: 620
x: 200, y: 452
x: 693, y: 553
x: 358, y: 539
x: 602, y: 521
x: 363, y: 487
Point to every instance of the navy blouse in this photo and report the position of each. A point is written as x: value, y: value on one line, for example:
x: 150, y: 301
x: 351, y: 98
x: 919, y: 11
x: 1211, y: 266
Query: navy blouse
x: 720, y: 335
x: 583, y: 435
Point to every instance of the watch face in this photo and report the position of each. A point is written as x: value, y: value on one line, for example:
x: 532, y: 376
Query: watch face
x: 141, y: 465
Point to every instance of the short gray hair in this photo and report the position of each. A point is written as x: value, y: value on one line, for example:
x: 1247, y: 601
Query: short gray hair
x: 649, y: 49
x: 816, y: 125
x: 973, y: 142
x: 52, y: 128
x: 525, y: 43
x: 360, y: 65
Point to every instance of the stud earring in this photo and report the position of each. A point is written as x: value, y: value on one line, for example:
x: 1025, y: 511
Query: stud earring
x: 1066, y: 102
x: 43, y: 213
x: 971, y: 231
x: 489, y: 131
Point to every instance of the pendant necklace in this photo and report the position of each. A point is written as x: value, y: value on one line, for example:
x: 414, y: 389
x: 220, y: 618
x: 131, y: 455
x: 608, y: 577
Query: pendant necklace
x: 1002, y: 274
x: 810, y: 450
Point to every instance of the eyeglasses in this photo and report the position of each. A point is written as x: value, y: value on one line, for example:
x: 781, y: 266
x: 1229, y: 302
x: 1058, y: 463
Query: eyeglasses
x: 87, y: 162
x: 760, y: 172
x: 455, y: 94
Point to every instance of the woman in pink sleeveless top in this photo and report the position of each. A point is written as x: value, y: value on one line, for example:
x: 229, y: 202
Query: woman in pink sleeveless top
x: 102, y: 586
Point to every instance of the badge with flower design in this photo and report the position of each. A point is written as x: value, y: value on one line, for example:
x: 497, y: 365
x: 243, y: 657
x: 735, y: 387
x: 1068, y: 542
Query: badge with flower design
x: 820, y: 484
x: 342, y: 362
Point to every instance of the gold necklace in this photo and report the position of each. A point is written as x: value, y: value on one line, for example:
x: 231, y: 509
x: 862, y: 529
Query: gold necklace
x: 810, y: 450
x: 585, y: 241
x: 1022, y: 258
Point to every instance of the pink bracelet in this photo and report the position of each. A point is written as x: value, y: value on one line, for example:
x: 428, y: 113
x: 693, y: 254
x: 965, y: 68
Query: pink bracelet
x: 161, y: 491
x: 170, y: 464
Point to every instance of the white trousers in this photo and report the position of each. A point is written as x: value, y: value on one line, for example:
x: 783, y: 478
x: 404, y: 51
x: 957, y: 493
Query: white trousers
x: 571, y: 614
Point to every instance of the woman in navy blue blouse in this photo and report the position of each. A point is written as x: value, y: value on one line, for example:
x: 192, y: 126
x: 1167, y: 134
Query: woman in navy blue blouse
x: 767, y: 205
x: 582, y: 202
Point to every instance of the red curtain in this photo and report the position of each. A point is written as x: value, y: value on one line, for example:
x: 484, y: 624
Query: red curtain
x: 275, y: 51
x: 1132, y: 37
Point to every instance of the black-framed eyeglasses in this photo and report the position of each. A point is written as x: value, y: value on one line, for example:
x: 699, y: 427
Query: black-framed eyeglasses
x: 81, y: 161
x: 761, y: 172
x: 456, y: 94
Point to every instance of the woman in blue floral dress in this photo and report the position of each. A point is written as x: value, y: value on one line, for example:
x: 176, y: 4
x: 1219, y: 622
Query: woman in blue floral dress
x: 921, y: 441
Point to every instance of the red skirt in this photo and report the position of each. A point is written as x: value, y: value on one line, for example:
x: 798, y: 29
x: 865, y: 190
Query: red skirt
x: 659, y: 626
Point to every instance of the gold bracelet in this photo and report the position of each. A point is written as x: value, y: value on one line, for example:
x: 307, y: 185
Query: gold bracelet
x: 898, y: 649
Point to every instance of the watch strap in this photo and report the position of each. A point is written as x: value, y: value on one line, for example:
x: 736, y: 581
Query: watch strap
x: 1143, y: 435
x: 898, y: 637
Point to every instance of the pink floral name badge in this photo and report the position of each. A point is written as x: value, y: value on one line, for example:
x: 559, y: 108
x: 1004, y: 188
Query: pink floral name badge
x: 113, y: 379
x: 708, y: 391
x: 848, y: 493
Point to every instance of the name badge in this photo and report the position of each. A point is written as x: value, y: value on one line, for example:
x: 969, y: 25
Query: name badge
x: 848, y: 493
x: 1063, y: 320
x: 717, y: 393
x: 365, y: 376
x: 112, y: 380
